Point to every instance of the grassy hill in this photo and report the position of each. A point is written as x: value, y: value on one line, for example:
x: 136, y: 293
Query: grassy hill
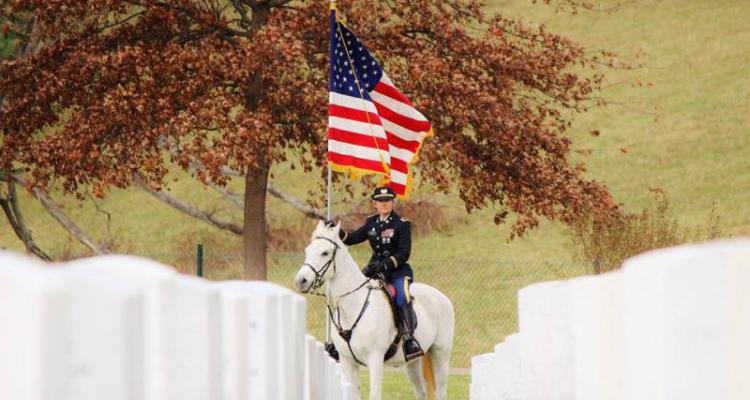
x: 686, y: 130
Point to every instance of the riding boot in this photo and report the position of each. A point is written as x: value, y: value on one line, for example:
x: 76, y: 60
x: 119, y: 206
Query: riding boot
x: 406, y: 327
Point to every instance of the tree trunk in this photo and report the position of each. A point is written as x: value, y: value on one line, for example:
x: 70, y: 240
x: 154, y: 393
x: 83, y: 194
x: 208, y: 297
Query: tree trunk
x: 256, y: 180
x: 254, y: 237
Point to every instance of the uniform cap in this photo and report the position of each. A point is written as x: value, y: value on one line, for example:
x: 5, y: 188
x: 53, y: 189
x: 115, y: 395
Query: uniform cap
x: 383, y: 193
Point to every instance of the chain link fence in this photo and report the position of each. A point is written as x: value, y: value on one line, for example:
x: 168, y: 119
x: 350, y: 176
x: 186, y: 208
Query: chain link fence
x: 483, y: 291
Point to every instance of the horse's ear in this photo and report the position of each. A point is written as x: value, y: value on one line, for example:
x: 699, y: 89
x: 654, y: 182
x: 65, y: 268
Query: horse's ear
x: 335, y: 229
x: 316, y: 231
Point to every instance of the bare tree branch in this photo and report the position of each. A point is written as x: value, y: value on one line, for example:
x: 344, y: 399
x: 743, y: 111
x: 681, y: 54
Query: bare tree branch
x: 59, y: 215
x: 105, y: 212
x: 233, y: 197
x: 188, y: 209
x: 295, y: 202
x: 244, y: 20
x: 237, y: 199
x: 15, y: 218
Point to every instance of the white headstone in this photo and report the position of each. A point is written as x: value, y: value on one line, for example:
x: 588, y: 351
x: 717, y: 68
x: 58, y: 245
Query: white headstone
x: 192, y: 323
x: 598, y: 337
x: 266, y: 340
x: 320, y: 372
x: 105, y: 336
x: 546, y: 341
x: 33, y: 306
x: 311, y: 358
x: 480, y: 374
x: 682, y: 320
x: 505, y: 376
x: 334, y: 379
x: 236, y: 354
x: 155, y: 282
x: 298, y: 333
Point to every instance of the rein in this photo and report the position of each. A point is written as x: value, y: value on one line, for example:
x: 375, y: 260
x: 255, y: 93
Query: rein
x: 345, y: 334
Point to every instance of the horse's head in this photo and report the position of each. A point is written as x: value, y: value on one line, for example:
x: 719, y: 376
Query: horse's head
x: 319, y: 264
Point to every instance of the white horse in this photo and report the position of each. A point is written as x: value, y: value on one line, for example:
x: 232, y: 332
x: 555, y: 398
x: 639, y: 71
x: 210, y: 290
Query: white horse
x: 361, y: 306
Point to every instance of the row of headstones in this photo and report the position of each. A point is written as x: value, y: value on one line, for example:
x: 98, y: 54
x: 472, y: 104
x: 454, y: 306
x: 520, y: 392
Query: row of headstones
x: 671, y: 324
x: 119, y: 327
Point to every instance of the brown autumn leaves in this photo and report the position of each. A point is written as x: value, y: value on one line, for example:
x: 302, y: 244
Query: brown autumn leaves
x: 114, y: 89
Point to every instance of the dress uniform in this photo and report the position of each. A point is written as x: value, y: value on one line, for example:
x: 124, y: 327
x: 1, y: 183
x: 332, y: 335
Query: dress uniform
x: 390, y: 240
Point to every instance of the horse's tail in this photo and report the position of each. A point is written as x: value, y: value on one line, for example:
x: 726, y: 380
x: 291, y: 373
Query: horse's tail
x: 429, y: 375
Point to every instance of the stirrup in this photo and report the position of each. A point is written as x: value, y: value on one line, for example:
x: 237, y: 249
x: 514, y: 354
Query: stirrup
x: 415, y: 353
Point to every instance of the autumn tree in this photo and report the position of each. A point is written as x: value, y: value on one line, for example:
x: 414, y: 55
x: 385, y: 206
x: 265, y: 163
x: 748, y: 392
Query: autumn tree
x: 235, y: 86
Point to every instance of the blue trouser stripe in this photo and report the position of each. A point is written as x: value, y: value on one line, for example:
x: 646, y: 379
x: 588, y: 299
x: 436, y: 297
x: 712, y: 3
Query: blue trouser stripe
x: 398, y: 283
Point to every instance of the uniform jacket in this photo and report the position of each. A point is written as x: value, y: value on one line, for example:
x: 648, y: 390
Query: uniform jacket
x: 390, y: 241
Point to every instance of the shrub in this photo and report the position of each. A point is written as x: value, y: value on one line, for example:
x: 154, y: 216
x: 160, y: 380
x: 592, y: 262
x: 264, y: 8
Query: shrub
x: 606, y: 243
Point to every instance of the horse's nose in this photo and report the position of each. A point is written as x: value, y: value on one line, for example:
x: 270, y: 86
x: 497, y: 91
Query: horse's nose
x: 301, y: 282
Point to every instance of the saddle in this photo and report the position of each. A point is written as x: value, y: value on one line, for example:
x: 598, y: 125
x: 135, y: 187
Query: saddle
x: 390, y: 294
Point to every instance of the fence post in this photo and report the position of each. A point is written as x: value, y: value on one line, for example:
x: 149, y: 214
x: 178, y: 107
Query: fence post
x: 199, y: 260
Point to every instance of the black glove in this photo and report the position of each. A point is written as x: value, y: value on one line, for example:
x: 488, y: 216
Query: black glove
x: 373, y: 269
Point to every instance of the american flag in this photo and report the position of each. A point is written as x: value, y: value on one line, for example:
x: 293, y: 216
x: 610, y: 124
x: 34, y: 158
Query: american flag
x: 372, y: 127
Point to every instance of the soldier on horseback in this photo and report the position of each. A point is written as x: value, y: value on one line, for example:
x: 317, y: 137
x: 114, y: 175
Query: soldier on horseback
x: 390, y: 238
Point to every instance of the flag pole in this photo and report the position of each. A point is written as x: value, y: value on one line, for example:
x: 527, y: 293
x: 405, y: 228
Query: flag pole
x: 329, y: 207
x: 328, y: 288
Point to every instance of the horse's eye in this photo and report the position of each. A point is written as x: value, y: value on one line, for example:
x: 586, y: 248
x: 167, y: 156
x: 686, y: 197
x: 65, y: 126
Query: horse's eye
x: 325, y: 253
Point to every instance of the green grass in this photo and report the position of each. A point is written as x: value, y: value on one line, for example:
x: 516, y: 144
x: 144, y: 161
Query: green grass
x: 695, y: 53
x: 396, y: 386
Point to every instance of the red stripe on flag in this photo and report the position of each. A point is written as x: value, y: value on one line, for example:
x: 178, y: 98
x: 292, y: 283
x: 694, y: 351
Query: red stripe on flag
x: 350, y: 113
x: 357, y: 138
x: 350, y: 161
x: 398, y: 164
x: 411, y: 145
x: 401, y: 120
x: 392, y: 92
x: 397, y: 187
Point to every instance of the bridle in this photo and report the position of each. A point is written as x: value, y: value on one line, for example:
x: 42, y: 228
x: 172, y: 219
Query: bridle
x: 320, y: 273
x: 345, y: 334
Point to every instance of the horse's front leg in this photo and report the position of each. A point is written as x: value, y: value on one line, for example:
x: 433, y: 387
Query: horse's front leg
x: 375, y: 363
x: 350, y: 368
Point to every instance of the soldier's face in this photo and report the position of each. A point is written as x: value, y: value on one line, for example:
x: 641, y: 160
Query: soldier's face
x: 384, y: 207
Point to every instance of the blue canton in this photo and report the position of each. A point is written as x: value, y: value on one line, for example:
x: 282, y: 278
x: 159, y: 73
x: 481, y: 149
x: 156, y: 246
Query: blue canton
x: 342, y: 74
